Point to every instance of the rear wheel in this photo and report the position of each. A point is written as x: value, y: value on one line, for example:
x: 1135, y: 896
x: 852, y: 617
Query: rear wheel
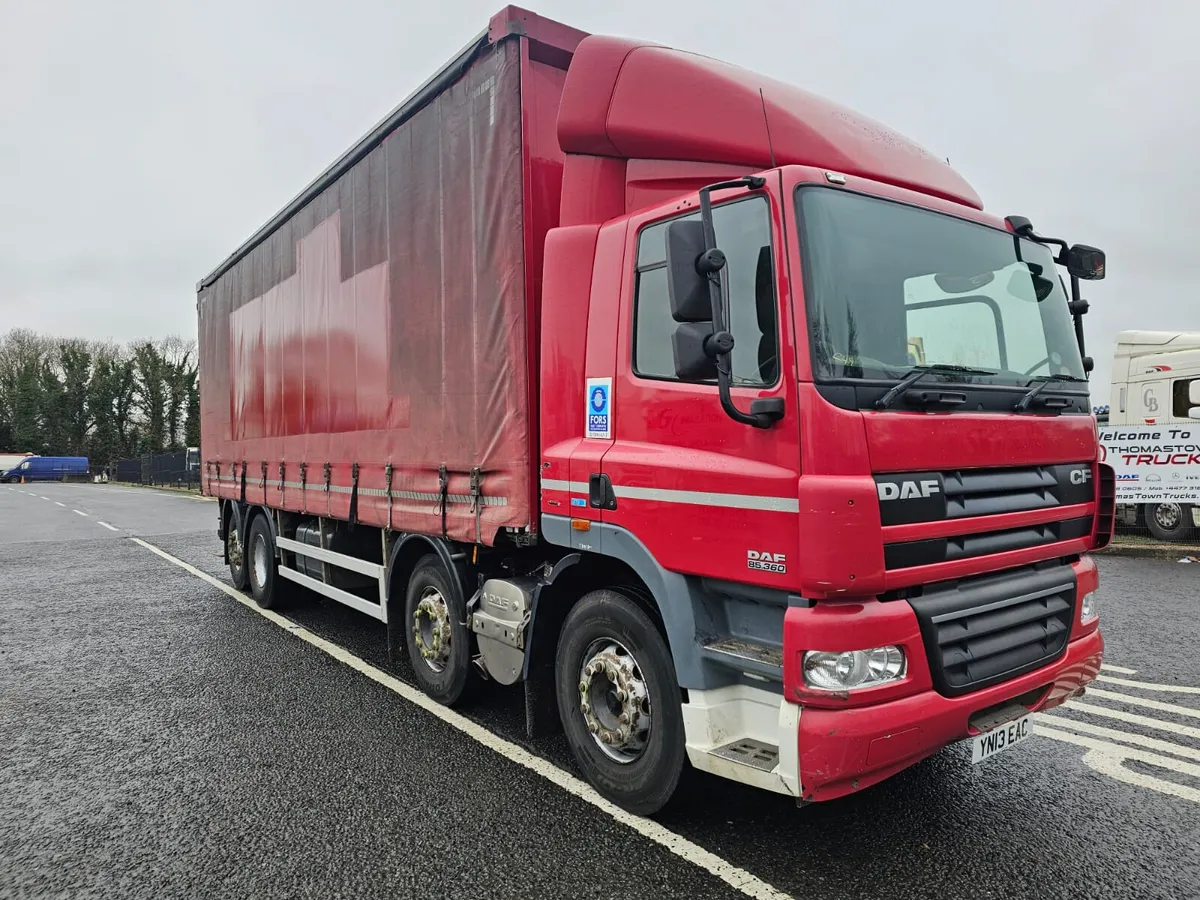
x: 237, y: 558
x: 436, y: 635
x: 1169, y: 521
x: 619, y: 700
x: 265, y: 585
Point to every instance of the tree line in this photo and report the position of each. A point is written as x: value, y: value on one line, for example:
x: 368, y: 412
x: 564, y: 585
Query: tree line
x: 100, y: 399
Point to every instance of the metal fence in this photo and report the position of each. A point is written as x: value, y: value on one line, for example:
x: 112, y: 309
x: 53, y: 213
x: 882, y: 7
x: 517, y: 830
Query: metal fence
x: 1168, y: 525
x: 177, y: 469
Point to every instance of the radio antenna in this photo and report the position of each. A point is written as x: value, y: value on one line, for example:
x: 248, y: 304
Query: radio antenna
x: 767, y: 123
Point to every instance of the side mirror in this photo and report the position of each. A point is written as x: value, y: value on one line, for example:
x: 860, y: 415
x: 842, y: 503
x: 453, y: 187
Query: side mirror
x: 1194, y: 392
x: 692, y: 360
x: 1085, y: 263
x: 1194, y: 412
x: 689, y: 263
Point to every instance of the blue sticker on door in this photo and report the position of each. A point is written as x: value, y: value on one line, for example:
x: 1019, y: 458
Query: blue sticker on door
x: 598, y: 403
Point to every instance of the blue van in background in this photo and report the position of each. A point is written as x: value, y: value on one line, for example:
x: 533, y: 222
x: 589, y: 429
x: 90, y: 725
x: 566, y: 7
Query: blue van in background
x: 47, y: 468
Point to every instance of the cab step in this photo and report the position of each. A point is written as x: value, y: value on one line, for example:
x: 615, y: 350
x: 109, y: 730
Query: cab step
x: 762, y: 660
x: 748, y: 752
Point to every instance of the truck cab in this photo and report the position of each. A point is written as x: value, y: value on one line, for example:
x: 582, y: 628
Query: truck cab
x: 835, y: 416
x: 1155, y: 378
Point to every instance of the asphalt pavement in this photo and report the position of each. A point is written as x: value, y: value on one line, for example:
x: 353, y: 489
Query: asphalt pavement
x: 160, y: 739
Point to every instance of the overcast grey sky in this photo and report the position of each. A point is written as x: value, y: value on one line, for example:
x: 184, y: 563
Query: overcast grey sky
x: 143, y: 140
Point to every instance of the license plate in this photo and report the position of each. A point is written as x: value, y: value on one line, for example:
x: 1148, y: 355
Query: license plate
x: 1001, y: 738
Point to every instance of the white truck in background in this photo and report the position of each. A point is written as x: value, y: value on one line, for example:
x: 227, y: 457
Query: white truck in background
x: 1156, y: 381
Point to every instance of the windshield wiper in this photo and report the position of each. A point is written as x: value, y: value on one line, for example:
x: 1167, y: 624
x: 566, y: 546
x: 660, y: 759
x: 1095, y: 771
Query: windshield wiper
x: 1024, y: 403
x: 919, y: 372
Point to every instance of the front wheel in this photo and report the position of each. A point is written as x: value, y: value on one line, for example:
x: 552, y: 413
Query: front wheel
x: 1169, y: 521
x: 620, y: 703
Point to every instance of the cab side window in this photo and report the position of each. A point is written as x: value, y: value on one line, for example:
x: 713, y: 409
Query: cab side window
x: 1181, y: 402
x: 743, y: 230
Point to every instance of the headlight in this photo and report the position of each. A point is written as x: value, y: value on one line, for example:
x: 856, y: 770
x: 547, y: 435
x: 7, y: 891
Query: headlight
x: 852, y: 669
x: 1087, y: 607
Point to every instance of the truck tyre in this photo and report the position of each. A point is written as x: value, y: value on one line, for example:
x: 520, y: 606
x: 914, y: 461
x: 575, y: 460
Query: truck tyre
x: 1169, y: 521
x: 238, y: 572
x: 436, y: 634
x: 620, y: 703
x: 265, y: 585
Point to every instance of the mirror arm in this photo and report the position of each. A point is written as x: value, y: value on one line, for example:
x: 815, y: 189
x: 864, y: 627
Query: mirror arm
x: 720, y: 345
x: 1025, y: 229
x: 1078, y: 307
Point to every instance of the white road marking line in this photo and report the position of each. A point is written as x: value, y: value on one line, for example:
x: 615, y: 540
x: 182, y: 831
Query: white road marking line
x: 1134, y: 719
x: 44, y: 498
x: 109, y: 527
x: 1120, y: 670
x: 1158, y: 705
x: 732, y: 875
x: 79, y: 513
x: 63, y: 505
x: 1108, y: 759
x: 1129, y: 737
x: 1151, y: 686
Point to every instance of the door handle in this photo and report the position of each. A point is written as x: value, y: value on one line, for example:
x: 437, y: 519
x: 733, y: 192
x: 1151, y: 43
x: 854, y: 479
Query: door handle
x: 600, y: 492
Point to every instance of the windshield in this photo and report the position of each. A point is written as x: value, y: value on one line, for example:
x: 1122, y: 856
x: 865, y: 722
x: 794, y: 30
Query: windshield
x: 890, y: 287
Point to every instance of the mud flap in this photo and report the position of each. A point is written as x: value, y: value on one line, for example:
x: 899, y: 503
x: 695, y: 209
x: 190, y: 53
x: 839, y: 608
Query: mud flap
x: 541, y: 703
x: 395, y: 627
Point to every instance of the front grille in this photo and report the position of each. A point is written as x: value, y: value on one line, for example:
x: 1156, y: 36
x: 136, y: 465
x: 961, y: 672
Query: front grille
x: 956, y: 494
x: 905, y: 554
x: 984, y: 630
x: 990, y: 491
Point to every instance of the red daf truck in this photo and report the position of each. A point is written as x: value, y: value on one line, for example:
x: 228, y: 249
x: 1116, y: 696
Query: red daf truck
x: 721, y: 418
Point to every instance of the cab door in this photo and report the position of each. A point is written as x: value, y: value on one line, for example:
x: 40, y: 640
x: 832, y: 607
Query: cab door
x: 705, y: 494
x: 1150, y: 400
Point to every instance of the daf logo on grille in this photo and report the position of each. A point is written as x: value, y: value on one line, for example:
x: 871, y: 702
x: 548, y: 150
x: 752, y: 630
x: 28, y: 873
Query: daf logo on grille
x: 908, y: 490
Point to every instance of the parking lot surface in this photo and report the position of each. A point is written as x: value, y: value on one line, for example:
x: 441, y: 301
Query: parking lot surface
x: 159, y: 738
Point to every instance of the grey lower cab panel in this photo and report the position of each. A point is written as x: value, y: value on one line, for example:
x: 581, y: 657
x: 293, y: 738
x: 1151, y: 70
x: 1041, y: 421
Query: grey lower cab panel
x: 755, y: 754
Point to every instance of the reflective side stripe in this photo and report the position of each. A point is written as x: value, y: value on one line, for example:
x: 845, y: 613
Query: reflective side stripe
x: 574, y: 487
x: 706, y: 498
x: 697, y: 498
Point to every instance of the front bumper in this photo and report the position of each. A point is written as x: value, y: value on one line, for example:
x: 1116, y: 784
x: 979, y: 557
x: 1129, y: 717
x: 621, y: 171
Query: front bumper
x: 845, y: 750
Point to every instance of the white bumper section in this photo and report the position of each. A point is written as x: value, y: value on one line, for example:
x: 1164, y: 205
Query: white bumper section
x: 718, y: 721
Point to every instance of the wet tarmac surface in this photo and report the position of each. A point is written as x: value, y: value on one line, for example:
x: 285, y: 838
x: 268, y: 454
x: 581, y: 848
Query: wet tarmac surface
x: 158, y: 739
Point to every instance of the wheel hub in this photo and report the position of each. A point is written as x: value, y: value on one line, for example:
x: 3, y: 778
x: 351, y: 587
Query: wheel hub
x: 233, y: 545
x: 614, y: 701
x: 431, y: 629
x: 1168, y: 515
